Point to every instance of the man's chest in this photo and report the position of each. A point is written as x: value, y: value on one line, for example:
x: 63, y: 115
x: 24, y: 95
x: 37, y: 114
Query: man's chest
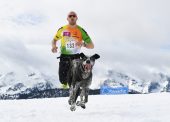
x: 74, y: 33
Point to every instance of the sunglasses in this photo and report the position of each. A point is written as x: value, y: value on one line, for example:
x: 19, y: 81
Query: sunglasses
x: 72, y: 16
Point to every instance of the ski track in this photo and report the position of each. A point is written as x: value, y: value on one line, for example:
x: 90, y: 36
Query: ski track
x: 101, y: 108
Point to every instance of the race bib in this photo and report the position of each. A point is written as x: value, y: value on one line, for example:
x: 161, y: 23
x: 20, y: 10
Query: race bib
x: 70, y: 45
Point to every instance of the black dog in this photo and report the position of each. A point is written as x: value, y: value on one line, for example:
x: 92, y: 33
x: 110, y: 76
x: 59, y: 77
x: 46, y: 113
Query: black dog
x: 81, y: 72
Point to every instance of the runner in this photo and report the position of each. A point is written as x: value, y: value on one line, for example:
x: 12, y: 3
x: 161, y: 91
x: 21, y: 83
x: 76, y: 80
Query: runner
x: 72, y: 37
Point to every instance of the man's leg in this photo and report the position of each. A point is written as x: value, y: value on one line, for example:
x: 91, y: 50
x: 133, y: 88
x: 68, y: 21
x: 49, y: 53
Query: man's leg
x: 63, y: 72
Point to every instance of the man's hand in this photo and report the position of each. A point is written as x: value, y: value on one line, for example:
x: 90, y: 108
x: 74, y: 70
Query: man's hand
x: 89, y: 45
x: 54, y: 49
x: 79, y: 43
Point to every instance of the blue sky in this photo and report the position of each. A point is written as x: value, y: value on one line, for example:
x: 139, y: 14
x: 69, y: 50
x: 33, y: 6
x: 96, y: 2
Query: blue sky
x: 129, y: 35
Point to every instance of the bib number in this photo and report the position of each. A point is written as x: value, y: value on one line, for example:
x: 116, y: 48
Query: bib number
x: 70, y: 45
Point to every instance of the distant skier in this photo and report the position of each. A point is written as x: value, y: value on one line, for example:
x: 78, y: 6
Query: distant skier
x: 72, y: 37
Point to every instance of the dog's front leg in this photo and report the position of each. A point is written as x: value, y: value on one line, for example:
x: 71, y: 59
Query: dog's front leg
x: 81, y: 102
x: 73, y: 96
x: 82, y: 94
x: 86, y: 94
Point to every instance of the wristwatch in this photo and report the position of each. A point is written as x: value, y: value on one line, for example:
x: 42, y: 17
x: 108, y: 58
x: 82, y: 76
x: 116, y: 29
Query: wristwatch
x: 84, y: 44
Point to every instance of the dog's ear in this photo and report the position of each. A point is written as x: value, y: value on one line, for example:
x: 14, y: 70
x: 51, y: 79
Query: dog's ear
x: 82, y: 55
x: 95, y: 56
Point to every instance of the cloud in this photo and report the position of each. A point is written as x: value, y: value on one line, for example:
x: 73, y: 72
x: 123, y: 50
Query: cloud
x: 131, y: 36
x: 29, y: 19
x: 18, y: 57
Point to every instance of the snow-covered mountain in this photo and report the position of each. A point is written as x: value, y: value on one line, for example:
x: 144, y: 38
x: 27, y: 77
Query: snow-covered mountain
x: 12, y: 84
x: 116, y: 79
x: 157, y: 83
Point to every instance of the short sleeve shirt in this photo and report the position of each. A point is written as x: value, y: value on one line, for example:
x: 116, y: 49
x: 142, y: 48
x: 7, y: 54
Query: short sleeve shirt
x: 69, y: 36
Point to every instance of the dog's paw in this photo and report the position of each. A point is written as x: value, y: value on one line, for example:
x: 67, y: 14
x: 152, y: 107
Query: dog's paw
x: 81, y: 104
x: 73, y: 108
x: 69, y: 102
x: 78, y: 103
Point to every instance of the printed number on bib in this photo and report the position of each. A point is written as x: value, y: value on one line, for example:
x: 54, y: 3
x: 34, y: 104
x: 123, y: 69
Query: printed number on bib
x: 70, y: 45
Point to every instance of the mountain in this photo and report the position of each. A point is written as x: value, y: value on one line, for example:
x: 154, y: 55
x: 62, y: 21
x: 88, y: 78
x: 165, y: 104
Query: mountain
x: 116, y: 79
x: 32, y: 85
x: 36, y: 83
x: 10, y: 83
x: 157, y: 83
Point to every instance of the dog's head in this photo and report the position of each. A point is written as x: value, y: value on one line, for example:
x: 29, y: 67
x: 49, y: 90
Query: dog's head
x: 88, y: 61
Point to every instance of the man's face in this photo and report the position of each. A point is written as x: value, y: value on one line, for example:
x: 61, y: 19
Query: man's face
x: 72, y: 18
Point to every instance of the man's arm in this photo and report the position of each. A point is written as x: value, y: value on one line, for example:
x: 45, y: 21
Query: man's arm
x: 56, y: 38
x: 87, y: 40
x: 54, y: 47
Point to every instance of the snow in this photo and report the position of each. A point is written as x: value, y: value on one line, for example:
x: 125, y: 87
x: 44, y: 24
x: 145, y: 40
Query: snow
x: 101, y: 108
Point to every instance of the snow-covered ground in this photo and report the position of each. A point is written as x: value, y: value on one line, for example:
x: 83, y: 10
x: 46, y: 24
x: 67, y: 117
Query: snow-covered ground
x: 101, y: 108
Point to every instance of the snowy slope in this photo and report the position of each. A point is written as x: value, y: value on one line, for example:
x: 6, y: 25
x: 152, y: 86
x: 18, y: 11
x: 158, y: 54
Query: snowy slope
x: 102, y: 108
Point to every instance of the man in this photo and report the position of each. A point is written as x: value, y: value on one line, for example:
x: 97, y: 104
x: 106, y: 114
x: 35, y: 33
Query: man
x: 72, y: 37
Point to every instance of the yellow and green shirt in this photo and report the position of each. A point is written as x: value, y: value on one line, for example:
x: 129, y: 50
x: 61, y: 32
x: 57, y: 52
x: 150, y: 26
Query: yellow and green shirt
x: 69, y: 36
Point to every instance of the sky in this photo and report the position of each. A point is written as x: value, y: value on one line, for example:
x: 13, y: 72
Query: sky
x: 131, y: 36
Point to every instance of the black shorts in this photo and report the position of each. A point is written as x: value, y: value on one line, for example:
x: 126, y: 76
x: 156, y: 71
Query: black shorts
x: 65, y: 68
x: 64, y: 71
